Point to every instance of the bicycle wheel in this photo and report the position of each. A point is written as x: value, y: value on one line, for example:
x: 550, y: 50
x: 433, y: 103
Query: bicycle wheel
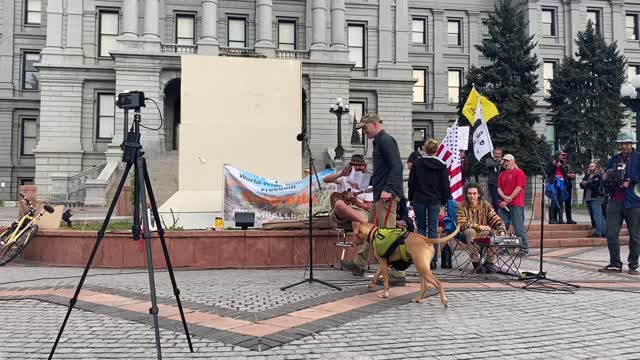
x: 14, y: 249
x: 4, y: 235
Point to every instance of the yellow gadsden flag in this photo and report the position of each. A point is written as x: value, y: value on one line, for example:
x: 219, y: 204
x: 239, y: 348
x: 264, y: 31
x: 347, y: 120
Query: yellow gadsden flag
x: 489, y: 109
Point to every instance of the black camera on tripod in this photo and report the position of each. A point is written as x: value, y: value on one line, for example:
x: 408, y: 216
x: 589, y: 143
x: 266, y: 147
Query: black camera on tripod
x: 130, y: 100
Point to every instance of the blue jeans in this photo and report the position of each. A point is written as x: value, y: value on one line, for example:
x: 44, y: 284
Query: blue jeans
x: 595, y: 208
x: 516, y: 217
x: 495, y: 196
x: 427, y: 216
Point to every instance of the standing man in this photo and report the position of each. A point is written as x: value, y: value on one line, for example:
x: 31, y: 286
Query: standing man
x: 387, y: 189
x: 569, y: 177
x: 623, y: 178
x: 494, y: 166
x: 511, y: 184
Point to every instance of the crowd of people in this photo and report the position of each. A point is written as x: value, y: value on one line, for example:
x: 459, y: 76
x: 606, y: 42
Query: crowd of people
x: 613, y: 192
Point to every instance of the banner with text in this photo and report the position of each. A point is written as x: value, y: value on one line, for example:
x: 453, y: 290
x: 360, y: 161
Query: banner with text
x: 272, y: 200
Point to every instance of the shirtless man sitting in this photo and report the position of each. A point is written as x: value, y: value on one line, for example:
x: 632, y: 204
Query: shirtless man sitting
x: 353, y: 210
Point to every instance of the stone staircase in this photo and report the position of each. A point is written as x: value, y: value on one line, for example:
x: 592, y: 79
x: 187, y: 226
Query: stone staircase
x: 163, y: 172
x: 563, y: 235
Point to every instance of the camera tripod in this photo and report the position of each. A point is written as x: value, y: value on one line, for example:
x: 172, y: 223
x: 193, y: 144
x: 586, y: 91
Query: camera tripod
x: 133, y: 156
x: 541, y: 276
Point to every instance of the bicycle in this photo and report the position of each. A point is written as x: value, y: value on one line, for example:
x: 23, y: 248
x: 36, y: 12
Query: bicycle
x: 15, y: 238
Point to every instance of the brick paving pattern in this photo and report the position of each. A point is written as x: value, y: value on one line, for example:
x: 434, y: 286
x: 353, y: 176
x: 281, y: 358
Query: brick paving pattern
x: 239, y: 314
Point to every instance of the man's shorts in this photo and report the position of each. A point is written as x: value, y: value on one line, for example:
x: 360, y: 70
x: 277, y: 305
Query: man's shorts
x: 338, y: 223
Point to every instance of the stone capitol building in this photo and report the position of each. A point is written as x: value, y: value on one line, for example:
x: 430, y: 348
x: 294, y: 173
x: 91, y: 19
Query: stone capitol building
x: 62, y: 62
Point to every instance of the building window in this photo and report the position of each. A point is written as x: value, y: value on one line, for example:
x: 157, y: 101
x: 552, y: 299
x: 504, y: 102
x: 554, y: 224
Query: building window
x: 419, y: 87
x: 356, y: 45
x: 26, y: 181
x: 33, y: 12
x: 29, y: 136
x: 236, y: 31
x: 356, y: 110
x: 419, y: 31
x: 286, y: 35
x: 632, y: 70
x: 631, y: 26
x: 548, y: 22
x: 108, y: 30
x: 548, y: 68
x: 454, y: 28
x: 185, y: 29
x: 455, y: 78
x: 106, y: 115
x: 30, y: 75
x: 594, y: 16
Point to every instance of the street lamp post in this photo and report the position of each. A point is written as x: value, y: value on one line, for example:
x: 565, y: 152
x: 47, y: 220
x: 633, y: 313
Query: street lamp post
x: 630, y: 93
x: 339, y: 108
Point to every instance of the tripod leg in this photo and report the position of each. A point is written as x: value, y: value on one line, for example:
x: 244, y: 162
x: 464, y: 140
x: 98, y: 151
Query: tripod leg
x: 142, y: 204
x: 156, y: 216
x: 74, y: 299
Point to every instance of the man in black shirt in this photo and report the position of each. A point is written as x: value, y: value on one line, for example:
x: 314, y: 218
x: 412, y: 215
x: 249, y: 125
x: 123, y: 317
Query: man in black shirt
x: 387, y: 188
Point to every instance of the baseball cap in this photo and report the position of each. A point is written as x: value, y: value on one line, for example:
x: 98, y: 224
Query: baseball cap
x: 508, y: 157
x: 368, y: 118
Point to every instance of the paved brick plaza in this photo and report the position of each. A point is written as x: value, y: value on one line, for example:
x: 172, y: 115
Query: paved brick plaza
x: 243, y: 314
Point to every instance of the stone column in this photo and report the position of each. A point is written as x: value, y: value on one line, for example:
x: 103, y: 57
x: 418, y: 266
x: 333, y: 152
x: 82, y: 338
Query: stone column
x: 475, y: 36
x: 129, y: 20
x: 618, y: 20
x: 577, y: 23
x: 338, y: 25
x: 264, y: 28
x: 7, y: 18
x: 208, y: 43
x: 73, y: 50
x: 151, y: 25
x: 440, y: 79
x: 402, y: 32
x: 319, y: 14
x: 384, y: 31
x: 53, y: 48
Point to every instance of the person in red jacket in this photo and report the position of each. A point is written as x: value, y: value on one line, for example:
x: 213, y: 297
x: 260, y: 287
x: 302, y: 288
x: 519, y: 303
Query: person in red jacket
x: 511, y: 184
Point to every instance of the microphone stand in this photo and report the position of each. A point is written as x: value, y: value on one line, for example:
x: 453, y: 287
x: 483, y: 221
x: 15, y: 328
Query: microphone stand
x: 312, y: 172
x: 542, y: 275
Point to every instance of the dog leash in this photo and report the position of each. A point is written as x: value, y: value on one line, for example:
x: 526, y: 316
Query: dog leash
x: 386, y: 218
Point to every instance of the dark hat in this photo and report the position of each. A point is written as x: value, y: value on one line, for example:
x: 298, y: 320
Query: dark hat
x: 368, y: 118
x: 357, y: 159
x: 560, y: 152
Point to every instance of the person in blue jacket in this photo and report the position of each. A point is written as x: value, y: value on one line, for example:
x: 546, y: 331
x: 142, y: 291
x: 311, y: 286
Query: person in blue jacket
x: 623, y: 179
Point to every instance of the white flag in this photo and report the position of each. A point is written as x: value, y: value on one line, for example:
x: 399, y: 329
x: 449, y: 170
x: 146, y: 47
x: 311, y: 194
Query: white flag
x: 482, y: 144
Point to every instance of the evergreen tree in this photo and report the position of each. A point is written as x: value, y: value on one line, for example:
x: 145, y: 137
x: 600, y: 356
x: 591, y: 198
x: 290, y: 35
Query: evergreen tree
x: 509, y: 81
x: 585, y: 99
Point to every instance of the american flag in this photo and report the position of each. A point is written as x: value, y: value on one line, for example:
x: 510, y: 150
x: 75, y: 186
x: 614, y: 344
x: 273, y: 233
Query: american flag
x: 449, y: 153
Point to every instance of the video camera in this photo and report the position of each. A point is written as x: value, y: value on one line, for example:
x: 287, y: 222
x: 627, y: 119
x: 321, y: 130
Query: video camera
x: 130, y: 100
x: 615, y: 178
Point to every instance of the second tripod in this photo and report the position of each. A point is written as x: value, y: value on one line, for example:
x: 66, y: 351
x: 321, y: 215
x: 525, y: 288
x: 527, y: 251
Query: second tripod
x: 134, y: 157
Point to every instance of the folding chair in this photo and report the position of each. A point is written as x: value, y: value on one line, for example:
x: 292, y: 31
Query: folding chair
x: 459, y: 242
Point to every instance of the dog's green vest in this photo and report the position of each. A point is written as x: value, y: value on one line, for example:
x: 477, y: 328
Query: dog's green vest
x: 385, y: 242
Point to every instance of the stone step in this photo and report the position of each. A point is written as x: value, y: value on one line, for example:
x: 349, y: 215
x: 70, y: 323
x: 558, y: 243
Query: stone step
x: 163, y: 173
x: 564, y: 227
x: 534, y: 243
x: 567, y: 234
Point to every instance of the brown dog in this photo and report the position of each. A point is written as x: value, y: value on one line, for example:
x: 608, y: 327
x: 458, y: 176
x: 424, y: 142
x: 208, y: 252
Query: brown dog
x: 421, y: 250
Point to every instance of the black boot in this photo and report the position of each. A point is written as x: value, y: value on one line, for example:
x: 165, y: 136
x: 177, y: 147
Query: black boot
x: 477, y: 267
